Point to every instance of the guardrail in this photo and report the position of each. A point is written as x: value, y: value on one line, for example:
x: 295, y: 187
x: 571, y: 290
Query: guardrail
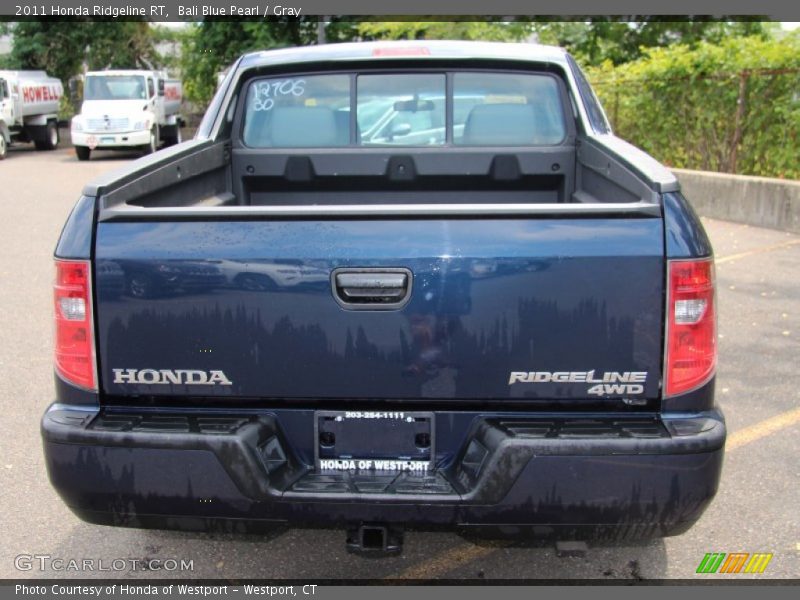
x: 759, y: 201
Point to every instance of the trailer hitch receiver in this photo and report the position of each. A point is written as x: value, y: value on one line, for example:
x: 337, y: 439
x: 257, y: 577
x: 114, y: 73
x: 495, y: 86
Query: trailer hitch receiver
x: 374, y: 540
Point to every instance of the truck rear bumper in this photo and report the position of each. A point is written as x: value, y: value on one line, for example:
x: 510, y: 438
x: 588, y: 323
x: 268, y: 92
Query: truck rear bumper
x: 529, y: 475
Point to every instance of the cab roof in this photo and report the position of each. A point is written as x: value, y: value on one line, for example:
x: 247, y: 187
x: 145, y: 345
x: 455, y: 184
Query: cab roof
x: 406, y: 49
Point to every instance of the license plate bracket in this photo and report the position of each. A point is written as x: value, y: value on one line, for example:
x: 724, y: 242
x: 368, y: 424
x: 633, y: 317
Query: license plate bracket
x: 374, y: 441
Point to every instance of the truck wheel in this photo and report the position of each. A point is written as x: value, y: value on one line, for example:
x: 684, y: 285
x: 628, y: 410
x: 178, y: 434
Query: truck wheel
x: 172, y: 140
x: 48, y: 137
x: 3, y: 147
x: 153, y: 145
x: 83, y: 152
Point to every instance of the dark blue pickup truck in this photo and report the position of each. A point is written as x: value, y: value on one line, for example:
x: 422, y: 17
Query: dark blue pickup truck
x: 388, y: 286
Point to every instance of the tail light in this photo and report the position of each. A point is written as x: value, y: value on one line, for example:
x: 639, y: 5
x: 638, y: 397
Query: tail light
x: 691, y: 325
x: 74, y: 338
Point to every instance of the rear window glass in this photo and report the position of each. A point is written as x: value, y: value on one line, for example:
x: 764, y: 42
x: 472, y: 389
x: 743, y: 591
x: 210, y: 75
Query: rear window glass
x: 298, y: 112
x: 404, y: 109
x: 506, y: 109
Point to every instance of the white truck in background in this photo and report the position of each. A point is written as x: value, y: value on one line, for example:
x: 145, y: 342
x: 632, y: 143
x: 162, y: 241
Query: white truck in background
x: 29, y: 109
x: 127, y: 109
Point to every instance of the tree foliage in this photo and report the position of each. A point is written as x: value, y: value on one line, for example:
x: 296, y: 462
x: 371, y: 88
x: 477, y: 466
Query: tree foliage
x: 601, y: 39
x: 121, y: 45
x: 62, y: 47
x: 485, y: 30
x: 211, y: 46
x: 731, y: 107
x: 57, y: 47
x: 208, y: 48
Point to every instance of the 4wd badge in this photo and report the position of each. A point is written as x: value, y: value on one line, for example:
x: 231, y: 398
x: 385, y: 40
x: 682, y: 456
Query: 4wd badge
x: 604, y: 384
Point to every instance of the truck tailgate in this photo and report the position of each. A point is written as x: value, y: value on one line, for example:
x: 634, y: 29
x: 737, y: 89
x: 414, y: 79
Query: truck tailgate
x: 565, y: 309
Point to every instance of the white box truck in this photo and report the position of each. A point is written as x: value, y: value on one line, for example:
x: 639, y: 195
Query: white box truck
x: 126, y: 109
x: 29, y: 109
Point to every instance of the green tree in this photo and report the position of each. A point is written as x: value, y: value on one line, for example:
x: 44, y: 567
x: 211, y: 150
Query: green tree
x: 208, y: 48
x: 602, y: 39
x: 56, y: 47
x: 339, y: 29
x: 62, y: 47
x: 120, y: 45
x: 731, y: 106
x: 497, y: 31
x: 172, y: 38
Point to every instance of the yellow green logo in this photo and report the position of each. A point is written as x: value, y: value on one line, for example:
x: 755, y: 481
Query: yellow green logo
x: 735, y: 562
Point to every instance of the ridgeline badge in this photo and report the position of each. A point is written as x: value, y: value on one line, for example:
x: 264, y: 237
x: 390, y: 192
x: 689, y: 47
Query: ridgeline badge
x: 608, y: 382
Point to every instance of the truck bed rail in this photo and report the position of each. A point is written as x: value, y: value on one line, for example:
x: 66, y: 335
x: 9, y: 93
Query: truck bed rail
x: 128, y: 212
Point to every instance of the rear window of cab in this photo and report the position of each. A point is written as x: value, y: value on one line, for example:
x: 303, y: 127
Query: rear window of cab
x: 464, y: 108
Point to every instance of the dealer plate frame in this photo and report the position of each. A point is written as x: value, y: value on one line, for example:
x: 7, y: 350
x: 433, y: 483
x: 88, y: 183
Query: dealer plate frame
x: 415, y: 414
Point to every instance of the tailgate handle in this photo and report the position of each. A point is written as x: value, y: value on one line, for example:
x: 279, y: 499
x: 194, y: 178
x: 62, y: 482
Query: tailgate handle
x: 372, y: 289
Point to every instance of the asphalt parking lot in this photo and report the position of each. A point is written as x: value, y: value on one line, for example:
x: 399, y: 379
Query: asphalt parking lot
x: 756, y: 510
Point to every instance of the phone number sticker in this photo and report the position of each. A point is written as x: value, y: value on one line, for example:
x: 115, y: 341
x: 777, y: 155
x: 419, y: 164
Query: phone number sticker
x: 372, y: 414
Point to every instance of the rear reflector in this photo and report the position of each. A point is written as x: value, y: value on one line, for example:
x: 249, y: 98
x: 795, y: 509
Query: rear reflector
x: 691, y: 325
x: 74, y: 339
